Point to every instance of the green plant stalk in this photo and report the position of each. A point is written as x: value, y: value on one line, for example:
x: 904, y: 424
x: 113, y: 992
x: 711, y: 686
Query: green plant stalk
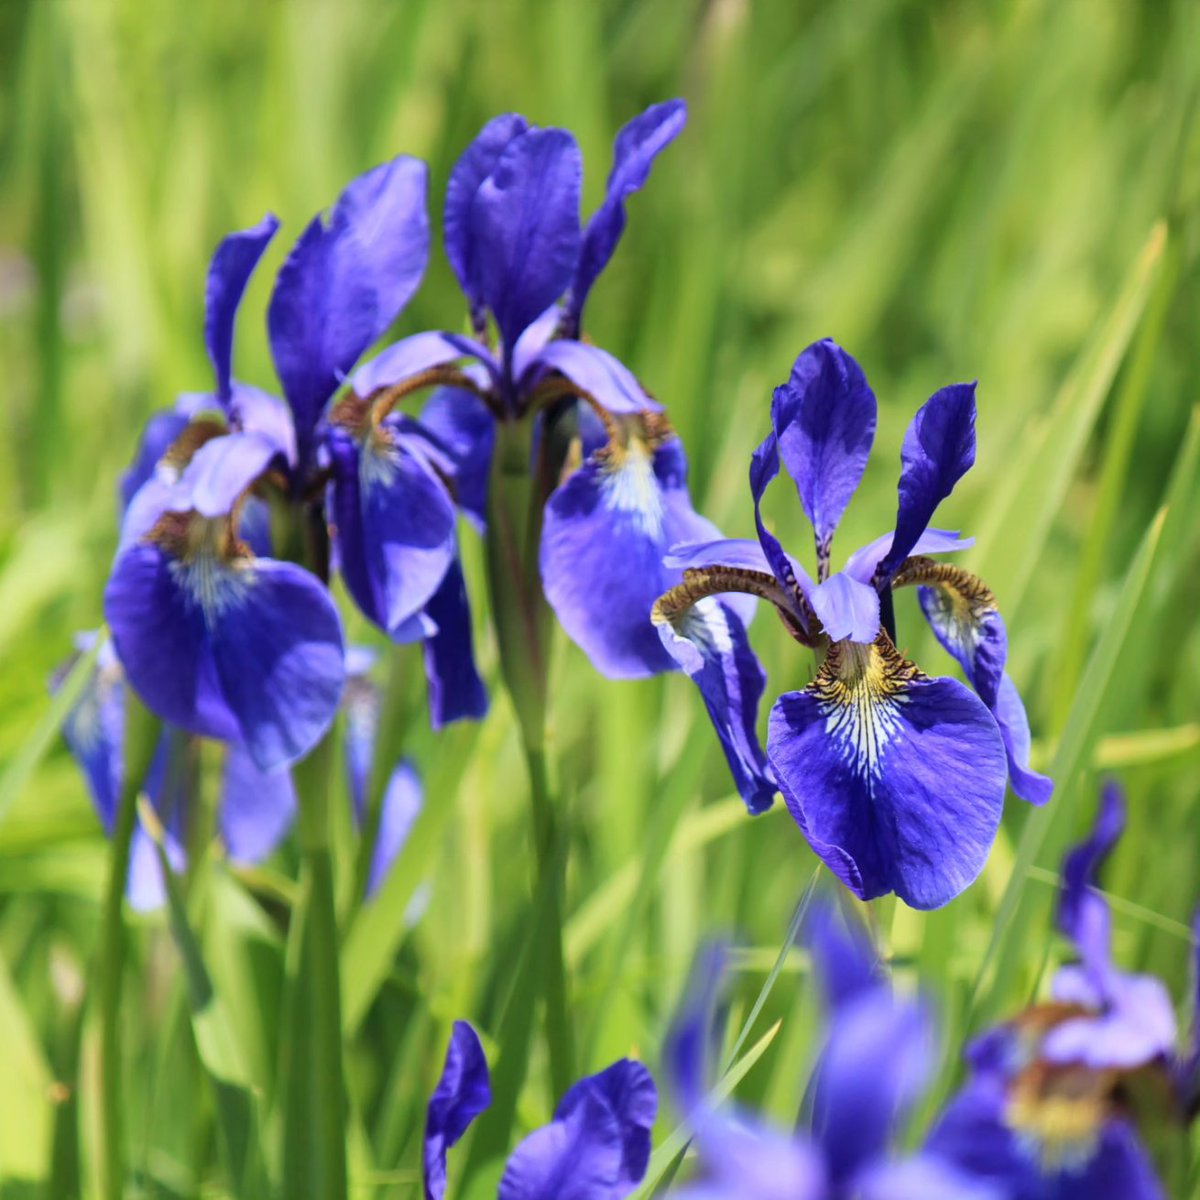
x: 314, y: 1098
x: 141, y: 732
x: 523, y: 629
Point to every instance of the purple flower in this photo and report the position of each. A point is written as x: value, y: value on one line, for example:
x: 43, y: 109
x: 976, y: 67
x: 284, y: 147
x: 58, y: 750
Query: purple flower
x: 597, y: 1146
x: 617, y: 481
x: 877, y: 1058
x: 896, y: 779
x: 1045, y: 1113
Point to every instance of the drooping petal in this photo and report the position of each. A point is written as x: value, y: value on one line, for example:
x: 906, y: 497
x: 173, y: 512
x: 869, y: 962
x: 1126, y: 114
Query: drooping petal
x: 636, y: 147
x: 596, y: 1148
x: 257, y: 807
x: 862, y: 564
x: 456, y: 691
x: 232, y: 264
x: 1083, y: 914
x: 896, y: 780
x: 160, y: 636
x: 604, y: 534
x: 1014, y: 728
x: 344, y: 283
x: 605, y: 378
x: 401, y: 805
x: 824, y: 418
x: 846, y: 609
x: 393, y: 523
x: 938, y: 450
x: 476, y: 164
x: 709, y: 642
x: 461, y: 424
x: 876, y: 1062
x: 462, y: 1093
x: 523, y: 227
x: 280, y: 661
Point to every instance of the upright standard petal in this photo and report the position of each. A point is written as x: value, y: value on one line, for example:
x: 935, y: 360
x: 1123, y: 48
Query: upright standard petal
x: 596, y: 1148
x: 938, y: 450
x: 897, y: 780
x: 456, y: 691
x: 257, y: 807
x: 232, y: 265
x: 280, y: 662
x: 462, y: 1093
x: 709, y: 642
x: 604, y: 534
x: 637, y: 146
x: 524, y: 228
x: 792, y: 577
x: 824, y: 418
x: 344, y: 283
x: 476, y: 164
x: 1083, y: 914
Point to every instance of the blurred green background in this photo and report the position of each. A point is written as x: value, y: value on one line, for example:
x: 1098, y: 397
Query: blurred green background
x: 1004, y: 192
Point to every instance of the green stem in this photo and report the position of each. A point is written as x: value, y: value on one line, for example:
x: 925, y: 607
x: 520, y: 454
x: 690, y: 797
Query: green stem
x: 140, y: 737
x: 314, y: 1125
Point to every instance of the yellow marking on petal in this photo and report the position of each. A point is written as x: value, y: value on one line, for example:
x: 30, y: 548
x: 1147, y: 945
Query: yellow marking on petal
x: 1058, y: 1112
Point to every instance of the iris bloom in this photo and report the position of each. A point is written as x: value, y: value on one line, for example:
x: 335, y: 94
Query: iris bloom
x: 526, y: 266
x: 876, y: 1061
x: 597, y: 1146
x: 256, y: 809
x: 896, y: 779
x: 1045, y: 1113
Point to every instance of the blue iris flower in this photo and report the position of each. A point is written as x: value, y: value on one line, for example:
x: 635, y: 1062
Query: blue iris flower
x: 876, y: 1061
x: 597, y: 1147
x: 526, y: 266
x: 1044, y: 1112
x: 896, y: 779
x: 256, y: 808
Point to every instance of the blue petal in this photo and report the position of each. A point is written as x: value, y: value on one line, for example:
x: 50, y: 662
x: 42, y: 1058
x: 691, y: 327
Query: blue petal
x: 1014, y: 728
x: 462, y: 1093
x: 596, y: 1148
x: 634, y: 152
x: 824, y: 418
x: 535, y: 339
x: 864, y: 562
x: 843, y: 958
x: 727, y: 552
x: 401, y: 805
x: 605, y: 378
x: 1083, y: 914
x: 923, y: 1178
x: 879, y: 1055
x: 764, y: 466
x: 343, y: 284
x: 603, y: 538
x: 280, y: 662
x: 476, y: 164
x: 709, y: 642
x: 360, y: 703
x: 896, y: 780
x: 687, y: 1054
x: 524, y: 228
x: 257, y: 807
x: 404, y: 359
x: 255, y: 411
x: 846, y: 609
x: 222, y: 470
x: 161, y: 639
x: 393, y: 524
x: 159, y: 433
x: 463, y: 427
x: 145, y: 887
x: 456, y: 692
x: 938, y: 450
x: 232, y: 265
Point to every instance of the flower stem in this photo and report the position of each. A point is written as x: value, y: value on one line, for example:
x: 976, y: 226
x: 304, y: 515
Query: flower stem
x: 140, y: 735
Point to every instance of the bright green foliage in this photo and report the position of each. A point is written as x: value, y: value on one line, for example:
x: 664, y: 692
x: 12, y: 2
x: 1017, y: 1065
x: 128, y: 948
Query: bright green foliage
x: 1008, y: 192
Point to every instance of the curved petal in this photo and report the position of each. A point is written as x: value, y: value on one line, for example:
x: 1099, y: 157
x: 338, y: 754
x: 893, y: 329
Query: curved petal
x: 456, y: 692
x: 523, y: 228
x: 535, y: 339
x: 160, y: 637
x: 232, y: 264
x: 938, y: 450
x: 923, y: 1178
x: 896, y: 780
x: 792, y: 577
x: 255, y: 411
x: 596, y: 1148
x: 401, y: 805
x: 344, y: 283
x: 1014, y: 728
x: 221, y: 471
x: 605, y: 378
x: 603, y: 537
x: 257, y: 807
x: 637, y: 146
x: 1083, y: 914
x: 726, y: 552
x: 462, y: 1093
x: 824, y: 418
x: 463, y: 427
x: 476, y: 164
x: 864, y: 562
x: 404, y: 359
x: 844, y: 960
x: 280, y: 661
x: 846, y: 609
x: 877, y: 1060
x: 709, y: 642
x: 158, y: 434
